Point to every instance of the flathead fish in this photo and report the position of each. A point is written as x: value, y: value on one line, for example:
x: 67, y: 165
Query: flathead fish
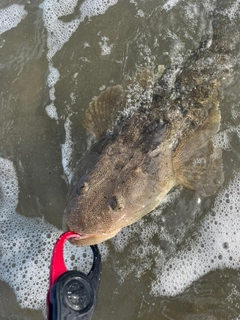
x: 161, y: 140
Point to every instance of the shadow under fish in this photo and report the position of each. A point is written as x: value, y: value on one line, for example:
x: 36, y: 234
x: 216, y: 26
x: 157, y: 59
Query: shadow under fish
x: 153, y: 133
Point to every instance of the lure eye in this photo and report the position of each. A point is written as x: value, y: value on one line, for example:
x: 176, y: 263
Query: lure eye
x: 117, y: 203
x: 83, y: 188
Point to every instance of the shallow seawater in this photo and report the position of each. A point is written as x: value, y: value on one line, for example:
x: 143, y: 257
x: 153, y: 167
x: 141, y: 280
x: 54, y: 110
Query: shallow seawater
x: 179, y: 262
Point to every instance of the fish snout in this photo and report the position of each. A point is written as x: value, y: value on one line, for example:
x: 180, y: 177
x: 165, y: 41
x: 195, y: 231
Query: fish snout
x: 71, y: 222
x: 93, y: 229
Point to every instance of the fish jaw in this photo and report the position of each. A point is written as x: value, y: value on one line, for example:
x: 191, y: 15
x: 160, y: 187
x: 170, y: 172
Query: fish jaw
x: 89, y: 239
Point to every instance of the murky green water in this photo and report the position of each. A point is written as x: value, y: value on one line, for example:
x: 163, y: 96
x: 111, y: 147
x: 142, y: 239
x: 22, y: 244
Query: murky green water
x: 101, y: 52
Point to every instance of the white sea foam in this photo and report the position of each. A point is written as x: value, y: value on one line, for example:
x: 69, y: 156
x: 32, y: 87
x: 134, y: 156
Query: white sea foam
x: 26, y: 246
x: 233, y: 11
x: 105, y: 48
x: 59, y: 32
x: 170, y: 4
x: 91, y: 8
x: 11, y: 17
x: 216, y: 246
x: 51, y: 111
x: 222, y: 139
x: 140, y: 13
x: 53, y: 78
x: 67, y: 149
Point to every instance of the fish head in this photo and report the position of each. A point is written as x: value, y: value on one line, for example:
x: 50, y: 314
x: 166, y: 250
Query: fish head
x: 113, y: 194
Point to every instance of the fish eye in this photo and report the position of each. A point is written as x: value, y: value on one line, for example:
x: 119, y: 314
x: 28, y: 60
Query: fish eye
x: 117, y: 203
x: 82, y: 188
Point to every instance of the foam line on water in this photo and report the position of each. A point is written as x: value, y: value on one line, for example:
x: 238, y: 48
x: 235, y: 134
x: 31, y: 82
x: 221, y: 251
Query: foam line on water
x: 67, y: 150
x: 59, y: 32
x: 11, y: 17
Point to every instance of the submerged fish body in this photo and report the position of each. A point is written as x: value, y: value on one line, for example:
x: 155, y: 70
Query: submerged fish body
x: 139, y: 156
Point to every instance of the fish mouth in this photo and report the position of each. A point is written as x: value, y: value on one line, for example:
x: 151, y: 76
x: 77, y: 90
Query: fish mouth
x: 87, y: 239
x: 66, y: 228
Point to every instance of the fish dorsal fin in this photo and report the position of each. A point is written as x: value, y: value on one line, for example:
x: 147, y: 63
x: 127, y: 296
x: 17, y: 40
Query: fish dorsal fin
x: 104, y: 110
x: 197, y: 164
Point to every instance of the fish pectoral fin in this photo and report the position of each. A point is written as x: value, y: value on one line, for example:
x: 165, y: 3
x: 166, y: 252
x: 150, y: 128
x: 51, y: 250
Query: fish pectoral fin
x: 104, y: 110
x: 197, y: 164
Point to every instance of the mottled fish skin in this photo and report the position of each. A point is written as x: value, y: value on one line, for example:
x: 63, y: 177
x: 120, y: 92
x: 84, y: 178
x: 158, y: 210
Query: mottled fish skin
x: 166, y: 142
